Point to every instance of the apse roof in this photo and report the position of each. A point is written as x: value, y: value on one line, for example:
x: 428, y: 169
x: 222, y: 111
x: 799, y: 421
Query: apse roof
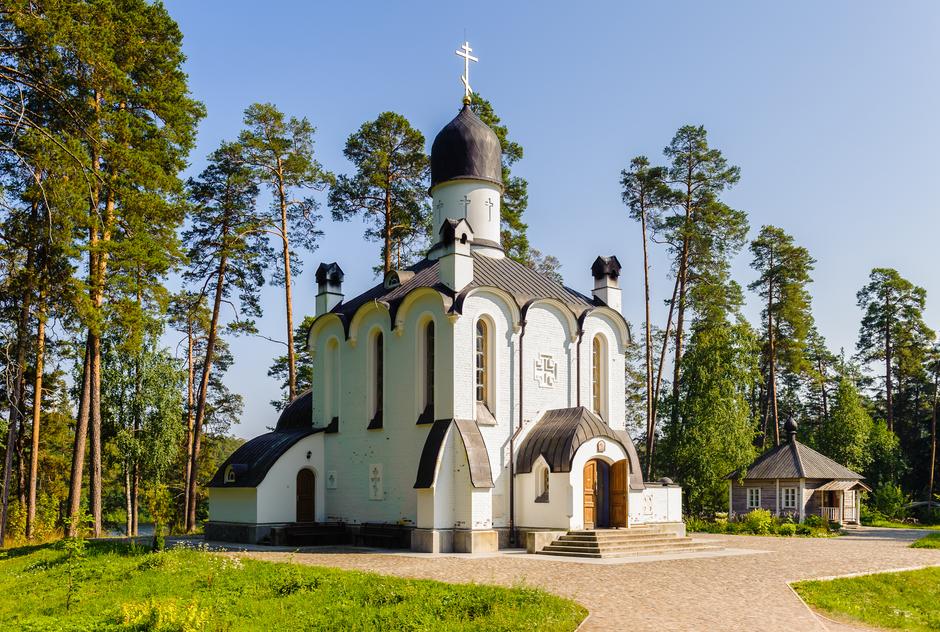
x: 252, y: 460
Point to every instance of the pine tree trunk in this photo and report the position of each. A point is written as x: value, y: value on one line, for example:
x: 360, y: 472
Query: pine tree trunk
x: 933, y: 441
x: 683, y: 277
x: 16, y: 397
x: 662, y: 353
x: 772, y: 360
x: 291, y: 360
x: 204, y: 388
x: 135, y: 497
x: 388, y: 226
x: 190, y: 377
x: 37, y: 409
x: 78, y: 449
x: 822, y: 386
x: 128, y: 505
x: 650, y: 436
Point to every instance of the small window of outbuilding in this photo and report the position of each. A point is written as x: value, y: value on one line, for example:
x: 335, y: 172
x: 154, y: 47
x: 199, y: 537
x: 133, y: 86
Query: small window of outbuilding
x: 753, y: 497
x: 229, y: 474
x: 789, y: 498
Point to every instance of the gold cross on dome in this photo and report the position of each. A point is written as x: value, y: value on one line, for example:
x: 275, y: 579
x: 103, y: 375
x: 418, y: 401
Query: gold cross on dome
x: 464, y: 52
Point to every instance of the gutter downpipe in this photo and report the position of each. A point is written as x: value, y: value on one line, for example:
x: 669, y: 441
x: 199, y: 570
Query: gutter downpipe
x: 578, y: 367
x: 512, y: 450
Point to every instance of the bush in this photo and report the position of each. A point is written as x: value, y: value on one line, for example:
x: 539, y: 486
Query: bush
x: 786, y: 529
x: 758, y: 521
x: 802, y: 529
x: 889, y: 500
x: 815, y: 522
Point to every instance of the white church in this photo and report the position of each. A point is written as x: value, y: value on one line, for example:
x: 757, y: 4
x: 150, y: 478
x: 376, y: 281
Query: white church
x: 460, y: 405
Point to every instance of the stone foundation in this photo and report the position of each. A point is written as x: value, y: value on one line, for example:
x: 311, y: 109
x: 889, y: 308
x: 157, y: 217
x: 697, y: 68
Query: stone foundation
x: 466, y: 541
x: 432, y: 540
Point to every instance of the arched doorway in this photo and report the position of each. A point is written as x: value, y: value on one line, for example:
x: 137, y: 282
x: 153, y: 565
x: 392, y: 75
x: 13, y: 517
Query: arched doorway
x: 306, y: 488
x: 605, y: 494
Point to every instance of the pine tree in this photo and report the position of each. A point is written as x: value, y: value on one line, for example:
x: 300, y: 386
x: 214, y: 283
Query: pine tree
x: 228, y: 249
x: 703, y: 234
x: 844, y: 437
x: 280, y: 153
x: 389, y: 185
x: 515, y: 197
x: 893, y: 330
x: 783, y: 275
x: 646, y: 194
x: 279, y: 370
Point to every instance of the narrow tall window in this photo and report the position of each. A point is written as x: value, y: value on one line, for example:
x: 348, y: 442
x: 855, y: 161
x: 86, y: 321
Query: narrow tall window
x: 482, y: 362
x: 429, y: 367
x: 378, y: 378
x: 597, y: 376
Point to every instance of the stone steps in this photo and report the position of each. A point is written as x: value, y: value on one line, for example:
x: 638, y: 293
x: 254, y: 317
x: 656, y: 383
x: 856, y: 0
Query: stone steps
x: 622, y: 543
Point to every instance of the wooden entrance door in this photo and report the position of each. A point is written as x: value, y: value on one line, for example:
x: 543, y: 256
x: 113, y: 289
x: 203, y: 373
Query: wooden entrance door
x: 590, y: 494
x: 306, y: 485
x: 618, y: 494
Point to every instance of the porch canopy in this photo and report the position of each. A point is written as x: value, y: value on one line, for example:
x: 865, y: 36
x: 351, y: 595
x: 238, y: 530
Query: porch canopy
x: 558, y: 434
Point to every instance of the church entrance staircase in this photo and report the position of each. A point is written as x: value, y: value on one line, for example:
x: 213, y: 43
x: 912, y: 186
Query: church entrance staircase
x: 635, y: 541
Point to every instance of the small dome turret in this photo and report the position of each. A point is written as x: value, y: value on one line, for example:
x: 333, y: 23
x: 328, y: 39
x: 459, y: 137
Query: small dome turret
x: 790, y: 427
x: 466, y: 148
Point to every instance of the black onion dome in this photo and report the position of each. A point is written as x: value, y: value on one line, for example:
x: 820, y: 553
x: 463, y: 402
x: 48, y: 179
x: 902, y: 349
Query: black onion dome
x: 466, y: 148
x: 790, y: 425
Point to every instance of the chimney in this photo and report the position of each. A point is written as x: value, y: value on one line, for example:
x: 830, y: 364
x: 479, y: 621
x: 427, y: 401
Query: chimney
x: 329, y: 287
x: 606, y: 272
x: 455, y: 266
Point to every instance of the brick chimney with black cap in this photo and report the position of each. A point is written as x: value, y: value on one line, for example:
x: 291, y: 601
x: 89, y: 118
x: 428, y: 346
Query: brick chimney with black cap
x: 606, y: 272
x: 329, y: 287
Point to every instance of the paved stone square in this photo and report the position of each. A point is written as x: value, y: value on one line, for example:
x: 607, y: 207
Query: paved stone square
x: 746, y: 590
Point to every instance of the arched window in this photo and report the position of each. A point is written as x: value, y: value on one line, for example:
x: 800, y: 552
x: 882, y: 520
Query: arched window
x: 482, y: 350
x: 378, y: 381
x: 598, y: 376
x: 541, y: 482
x: 331, y: 381
x: 429, y: 368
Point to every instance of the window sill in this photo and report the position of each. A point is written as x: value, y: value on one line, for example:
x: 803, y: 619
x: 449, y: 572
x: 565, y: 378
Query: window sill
x: 333, y: 426
x: 426, y: 417
x: 542, y: 499
x: 484, y: 416
x: 376, y: 423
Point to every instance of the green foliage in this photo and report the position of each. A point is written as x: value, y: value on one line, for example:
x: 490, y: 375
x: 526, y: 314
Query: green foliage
x: 758, y: 521
x: 194, y: 590
x: 889, y: 500
x: 278, y: 369
x: 787, y: 529
x: 887, y: 461
x: 515, y: 197
x: 845, y: 436
x: 74, y: 565
x: 714, y: 432
x: 389, y: 186
x: 904, y: 601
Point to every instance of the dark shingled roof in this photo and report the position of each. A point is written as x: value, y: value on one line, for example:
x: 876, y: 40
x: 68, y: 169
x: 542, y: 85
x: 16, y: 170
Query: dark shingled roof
x: 466, y: 148
x: 795, y: 460
x: 477, y: 457
x: 254, y: 458
x: 523, y: 283
x: 560, y: 432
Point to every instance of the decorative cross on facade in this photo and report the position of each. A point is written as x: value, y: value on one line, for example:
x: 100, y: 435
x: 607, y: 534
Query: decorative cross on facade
x: 466, y: 204
x: 489, y: 205
x: 546, y: 370
x: 464, y: 52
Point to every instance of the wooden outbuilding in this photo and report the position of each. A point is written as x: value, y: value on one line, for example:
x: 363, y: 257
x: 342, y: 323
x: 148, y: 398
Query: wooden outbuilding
x: 795, y: 480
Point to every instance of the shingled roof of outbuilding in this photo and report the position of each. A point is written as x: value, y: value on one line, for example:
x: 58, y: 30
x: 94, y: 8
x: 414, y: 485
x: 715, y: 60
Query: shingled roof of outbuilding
x: 795, y: 460
x: 522, y: 282
x: 559, y: 433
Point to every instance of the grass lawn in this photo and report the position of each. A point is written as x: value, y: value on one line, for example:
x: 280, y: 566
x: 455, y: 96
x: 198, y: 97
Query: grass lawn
x: 904, y: 601
x: 893, y: 524
x: 119, y: 587
x: 929, y: 541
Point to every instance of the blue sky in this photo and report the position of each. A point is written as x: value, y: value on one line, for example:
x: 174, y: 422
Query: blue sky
x: 829, y: 108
